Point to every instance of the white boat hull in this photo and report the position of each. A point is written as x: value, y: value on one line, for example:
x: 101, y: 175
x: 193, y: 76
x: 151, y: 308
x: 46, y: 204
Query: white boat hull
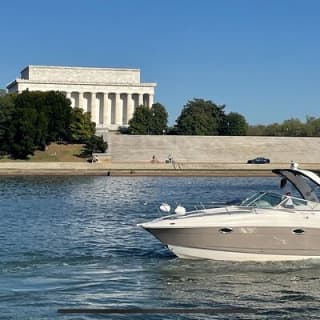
x: 269, y: 235
x: 198, y: 254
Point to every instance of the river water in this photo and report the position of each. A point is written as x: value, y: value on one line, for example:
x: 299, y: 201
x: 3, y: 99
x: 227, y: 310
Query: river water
x: 72, y: 242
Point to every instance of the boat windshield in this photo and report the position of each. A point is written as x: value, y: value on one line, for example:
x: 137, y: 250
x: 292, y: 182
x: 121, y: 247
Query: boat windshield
x: 263, y: 200
x: 274, y: 200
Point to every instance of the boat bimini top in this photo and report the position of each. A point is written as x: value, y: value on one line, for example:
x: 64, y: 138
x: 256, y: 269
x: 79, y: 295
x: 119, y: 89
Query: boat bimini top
x: 304, y: 181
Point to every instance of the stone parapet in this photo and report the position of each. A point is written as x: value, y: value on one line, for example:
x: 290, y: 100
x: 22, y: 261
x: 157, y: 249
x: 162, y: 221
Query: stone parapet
x: 85, y: 74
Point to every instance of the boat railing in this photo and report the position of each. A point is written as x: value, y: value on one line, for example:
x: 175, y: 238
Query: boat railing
x: 210, y: 211
x: 260, y: 200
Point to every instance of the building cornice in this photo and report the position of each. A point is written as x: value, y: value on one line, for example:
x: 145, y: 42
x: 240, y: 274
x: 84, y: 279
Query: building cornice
x: 11, y: 84
x: 80, y: 68
x: 151, y: 84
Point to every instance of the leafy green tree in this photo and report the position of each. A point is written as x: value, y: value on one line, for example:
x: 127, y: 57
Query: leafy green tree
x: 159, y: 119
x: 32, y: 104
x: 312, y: 126
x: 273, y: 129
x: 141, y: 121
x: 59, y: 110
x: 53, y: 108
x: 95, y: 144
x: 41, y: 131
x: 288, y: 128
x: 22, y: 133
x: 172, y: 131
x: 149, y: 121
x: 235, y: 124
x: 8, y: 100
x: 200, y: 117
x: 255, y: 130
x: 81, y: 129
x: 31, y: 120
x: 292, y: 128
x: 7, y: 107
x: 3, y: 92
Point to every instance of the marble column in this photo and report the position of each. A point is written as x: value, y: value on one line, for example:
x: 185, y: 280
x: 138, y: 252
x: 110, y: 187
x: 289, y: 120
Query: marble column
x: 94, y: 117
x: 106, y: 110
x: 80, y: 101
x: 140, y: 103
x: 119, y: 108
x: 151, y: 100
x: 130, y: 107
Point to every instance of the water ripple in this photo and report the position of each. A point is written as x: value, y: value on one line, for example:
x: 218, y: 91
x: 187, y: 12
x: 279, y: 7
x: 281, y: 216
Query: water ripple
x: 73, y: 242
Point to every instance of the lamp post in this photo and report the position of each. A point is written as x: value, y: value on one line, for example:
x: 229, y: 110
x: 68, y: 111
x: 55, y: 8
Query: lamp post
x: 152, y: 123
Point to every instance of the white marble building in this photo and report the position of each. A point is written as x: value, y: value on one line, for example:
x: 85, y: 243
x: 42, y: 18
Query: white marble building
x: 109, y: 94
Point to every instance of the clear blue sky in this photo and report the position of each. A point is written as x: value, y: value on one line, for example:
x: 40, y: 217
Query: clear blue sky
x: 260, y: 58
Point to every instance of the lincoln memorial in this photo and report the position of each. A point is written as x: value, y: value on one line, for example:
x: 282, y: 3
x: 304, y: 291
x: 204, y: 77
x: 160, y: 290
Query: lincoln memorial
x: 109, y: 94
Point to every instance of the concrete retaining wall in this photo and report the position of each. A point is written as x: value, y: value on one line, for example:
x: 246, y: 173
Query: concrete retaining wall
x: 125, y: 148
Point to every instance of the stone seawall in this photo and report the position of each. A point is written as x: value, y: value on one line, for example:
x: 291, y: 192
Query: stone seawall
x: 144, y: 168
x: 214, y: 149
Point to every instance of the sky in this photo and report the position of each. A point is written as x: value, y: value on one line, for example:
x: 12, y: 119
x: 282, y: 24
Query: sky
x: 260, y: 58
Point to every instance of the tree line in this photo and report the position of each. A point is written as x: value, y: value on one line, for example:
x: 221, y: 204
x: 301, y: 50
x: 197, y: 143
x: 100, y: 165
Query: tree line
x: 288, y: 128
x: 198, y: 117
x: 30, y: 121
x: 204, y: 117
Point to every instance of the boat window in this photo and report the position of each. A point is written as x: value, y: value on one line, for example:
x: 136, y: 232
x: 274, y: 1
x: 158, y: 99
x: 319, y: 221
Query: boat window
x: 225, y: 230
x: 272, y: 198
x: 298, y: 231
x: 251, y: 199
x: 263, y: 200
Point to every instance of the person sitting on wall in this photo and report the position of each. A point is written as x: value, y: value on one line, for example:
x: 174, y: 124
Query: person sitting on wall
x: 154, y: 159
x: 95, y: 159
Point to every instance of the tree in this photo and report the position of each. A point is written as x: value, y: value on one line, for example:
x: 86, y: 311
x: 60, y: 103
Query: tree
x: 31, y: 120
x: 59, y: 110
x: 54, y: 111
x: 200, y: 117
x: 22, y: 133
x: 7, y: 107
x: 293, y: 128
x: 140, y: 123
x: 149, y: 121
x: 235, y: 124
x: 81, y: 129
x: 95, y: 144
x: 3, y: 92
x: 159, y: 119
x: 312, y: 126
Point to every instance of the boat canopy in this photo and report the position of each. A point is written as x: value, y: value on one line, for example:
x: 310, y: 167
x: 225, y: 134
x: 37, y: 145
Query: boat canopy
x: 303, y: 180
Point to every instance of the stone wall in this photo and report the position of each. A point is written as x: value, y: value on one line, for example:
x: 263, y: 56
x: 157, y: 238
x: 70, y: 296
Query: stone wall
x: 217, y: 149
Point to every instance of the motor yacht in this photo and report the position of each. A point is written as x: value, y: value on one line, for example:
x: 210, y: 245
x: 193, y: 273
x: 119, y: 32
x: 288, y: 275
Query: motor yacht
x: 265, y: 226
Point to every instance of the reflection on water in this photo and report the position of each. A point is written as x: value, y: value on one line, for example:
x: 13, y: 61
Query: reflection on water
x: 73, y: 242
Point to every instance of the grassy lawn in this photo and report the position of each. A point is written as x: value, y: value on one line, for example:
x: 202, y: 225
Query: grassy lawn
x: 57, y: 152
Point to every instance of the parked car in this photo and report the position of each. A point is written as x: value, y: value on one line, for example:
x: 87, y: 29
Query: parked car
x: 259, y: 160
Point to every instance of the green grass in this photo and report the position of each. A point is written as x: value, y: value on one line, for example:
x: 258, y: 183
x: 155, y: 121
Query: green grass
x: 57, y: 153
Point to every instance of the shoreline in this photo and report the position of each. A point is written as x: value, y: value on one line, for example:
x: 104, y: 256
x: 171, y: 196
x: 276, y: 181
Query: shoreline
x: 141, y: 173
x: 144, y: 169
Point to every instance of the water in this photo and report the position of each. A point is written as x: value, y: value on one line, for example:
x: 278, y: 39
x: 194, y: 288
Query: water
x: 72, y: 242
